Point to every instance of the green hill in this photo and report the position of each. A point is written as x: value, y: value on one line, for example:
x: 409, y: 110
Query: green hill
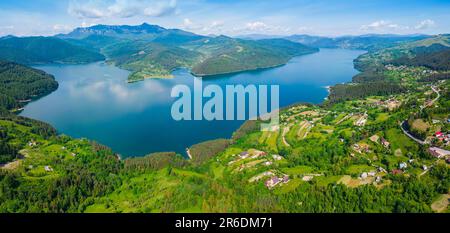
x: 228, y: 55
x: 345, y: 156
x: 370, y: 42
x: 42, y: 50
x: 19, y: 84
x: 150, y: 51
x: 374, y: 60
x: 205, y: 57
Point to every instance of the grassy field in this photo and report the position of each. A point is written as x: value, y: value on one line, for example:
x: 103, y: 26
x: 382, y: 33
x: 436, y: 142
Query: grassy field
x: 441, y: 204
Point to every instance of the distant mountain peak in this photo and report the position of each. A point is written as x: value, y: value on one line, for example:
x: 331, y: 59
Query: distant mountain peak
x: 114, y: 30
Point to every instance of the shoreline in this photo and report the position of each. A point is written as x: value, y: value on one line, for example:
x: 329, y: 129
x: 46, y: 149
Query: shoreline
x: 185, y: 155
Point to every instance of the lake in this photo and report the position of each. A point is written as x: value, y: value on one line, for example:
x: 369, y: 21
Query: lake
x: 94, y: 101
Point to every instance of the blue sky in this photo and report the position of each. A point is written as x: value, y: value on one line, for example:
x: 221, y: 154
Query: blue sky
x: 230, y: 17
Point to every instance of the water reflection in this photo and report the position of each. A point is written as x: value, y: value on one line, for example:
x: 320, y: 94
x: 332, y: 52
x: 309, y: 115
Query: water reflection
x: 96, y: 102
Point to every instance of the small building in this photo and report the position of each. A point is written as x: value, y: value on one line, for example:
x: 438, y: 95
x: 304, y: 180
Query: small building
x: 272, y: 182
x: 438, y: 152
x: 403, y: 165
x: 307, y: 178
x: 285, y: 179
x: 385, y: 143
x: 268, y: 163
x: 277, y: 157
x: 48, y: 169
x: 243, y: 155
x: 397, y: 172
x: 435, y: 121
x: 371, y: 174
x: 378, y: 179
x: 364, y: 175
x: 258, y: 153
x: 380, y: 169
x: 425, y: 168
x: 32, y: 144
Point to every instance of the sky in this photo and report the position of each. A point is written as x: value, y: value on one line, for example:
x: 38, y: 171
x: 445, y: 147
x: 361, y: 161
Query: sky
x: 230, y: 17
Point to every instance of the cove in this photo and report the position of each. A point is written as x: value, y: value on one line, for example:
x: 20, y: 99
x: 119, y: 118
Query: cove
x: 94, y: 101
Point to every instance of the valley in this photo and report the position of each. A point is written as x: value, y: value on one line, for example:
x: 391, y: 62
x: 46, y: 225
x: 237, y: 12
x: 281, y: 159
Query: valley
x: 377, y: 144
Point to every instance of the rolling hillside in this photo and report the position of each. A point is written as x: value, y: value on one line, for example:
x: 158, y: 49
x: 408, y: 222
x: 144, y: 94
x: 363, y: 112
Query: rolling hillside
x: 150, y: 51
x: 20, y: 84
x: 370, y: 42
x: 376, y: 59
x: 42, y: 50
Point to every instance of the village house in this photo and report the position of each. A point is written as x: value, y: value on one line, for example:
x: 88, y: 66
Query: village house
x: 32, y: 144
x: 48, y: 169
x: 258, y: 153
x: 243, y: 155
x: 424, y: 167
x: 272, y: 182
x: 403, y: 166
x: 364, y: 175
x: 307, y: 178
x: 393, y: 104
x: 380, y: 169
x: 397, y: 172
x: 268, y: 163
x: 385, y: 143
x: 438, y: 152
x: 435, y: 121
x: 361, y: 148
x: 277, y: 157
x: 285, y: 179
x: 378, y: 179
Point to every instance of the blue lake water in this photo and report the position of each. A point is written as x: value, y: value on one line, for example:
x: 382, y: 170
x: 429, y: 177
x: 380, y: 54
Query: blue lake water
x: 94, y: 101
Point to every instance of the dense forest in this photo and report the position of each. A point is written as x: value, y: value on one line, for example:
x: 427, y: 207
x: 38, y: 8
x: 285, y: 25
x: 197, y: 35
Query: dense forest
x: 343, y: 92
x: 323, y: 155
x: 20, y: 84
x: 42, y: 50
x: 435, y: 61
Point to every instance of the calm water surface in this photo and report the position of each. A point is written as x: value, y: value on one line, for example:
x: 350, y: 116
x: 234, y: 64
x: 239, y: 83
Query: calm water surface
x: 94, y: 101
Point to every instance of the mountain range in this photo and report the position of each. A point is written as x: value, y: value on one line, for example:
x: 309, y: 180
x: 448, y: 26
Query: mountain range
x: 151, y: 51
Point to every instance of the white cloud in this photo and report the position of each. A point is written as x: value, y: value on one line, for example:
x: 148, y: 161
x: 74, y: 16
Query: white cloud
x: 61, y: 27
x: 304, y: 29
x: 85, y: 10
x: 262, y: 28
x: 7, y: 27
x: 161, y: 8
x: 189, y: 25
x: 425, y: 24
x: 381, y: 25
x: 213, y: 27
x: 257, y: 26
x: 96, y: 9
x: 85, y: 24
